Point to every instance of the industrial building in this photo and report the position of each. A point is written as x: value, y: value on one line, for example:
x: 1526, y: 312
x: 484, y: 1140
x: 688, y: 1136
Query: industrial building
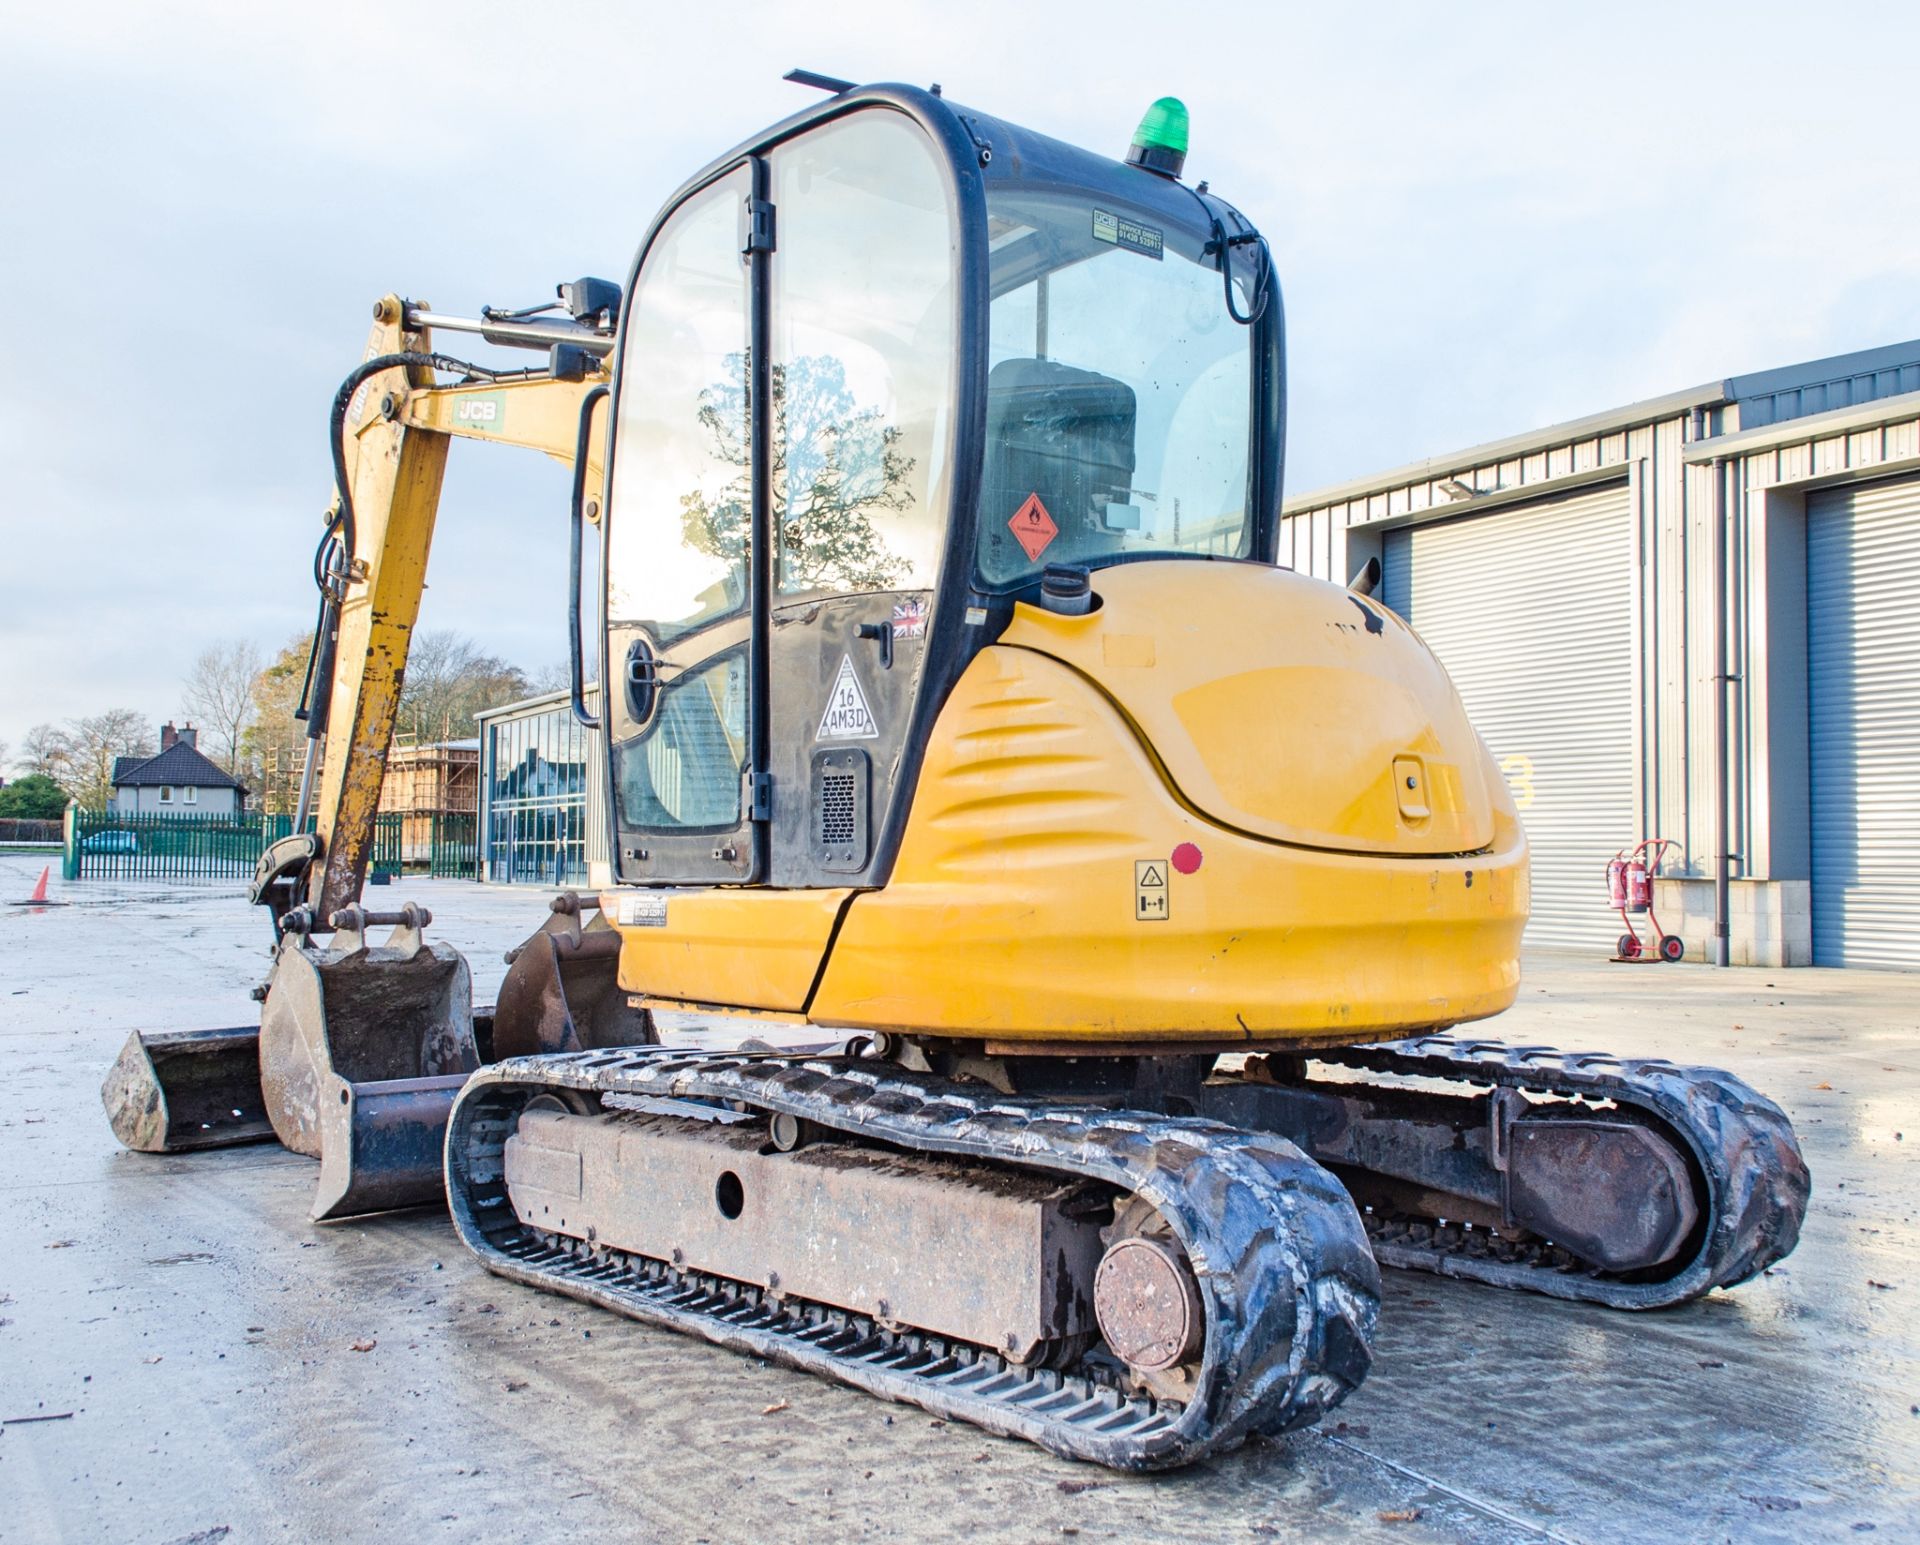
x: 1694, y: 618
x: 543, y: 814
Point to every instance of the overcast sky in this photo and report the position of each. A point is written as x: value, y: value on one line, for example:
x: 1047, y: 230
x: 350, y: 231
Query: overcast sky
x: 1487, y: 218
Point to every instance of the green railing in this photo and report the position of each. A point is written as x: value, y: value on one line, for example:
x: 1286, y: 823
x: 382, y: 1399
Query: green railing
x: 107, y: 844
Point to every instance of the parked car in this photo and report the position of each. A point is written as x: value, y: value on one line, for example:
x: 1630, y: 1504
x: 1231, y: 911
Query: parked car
x: 110, y: 842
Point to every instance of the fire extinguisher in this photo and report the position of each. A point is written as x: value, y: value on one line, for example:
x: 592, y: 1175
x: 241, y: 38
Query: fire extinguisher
x: 1639, y: 887
x: 1617, y: 883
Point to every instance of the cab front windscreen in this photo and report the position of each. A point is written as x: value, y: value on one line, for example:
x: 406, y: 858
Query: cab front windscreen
x: 1119, y: 392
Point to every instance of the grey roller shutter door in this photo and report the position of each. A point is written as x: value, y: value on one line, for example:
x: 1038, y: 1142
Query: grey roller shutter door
x: 1863, y: 679
x: 1530, y: 610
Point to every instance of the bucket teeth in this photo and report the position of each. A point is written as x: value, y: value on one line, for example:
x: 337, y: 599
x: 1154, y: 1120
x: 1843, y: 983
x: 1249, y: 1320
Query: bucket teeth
x: 362, y: 1050
x: 362, y: 1047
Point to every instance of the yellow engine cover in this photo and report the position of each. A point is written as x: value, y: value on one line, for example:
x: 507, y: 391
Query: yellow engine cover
x: 1282, y: 706
x: 1039, y: 898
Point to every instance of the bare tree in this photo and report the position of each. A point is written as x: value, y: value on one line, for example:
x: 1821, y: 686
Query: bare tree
x: 274, y: 742
x: 42, y: 751
x: 79, y: 755
x: 555, y: 675
x: 448, y: 681
x: 835, y: 466
x: 219, y: 692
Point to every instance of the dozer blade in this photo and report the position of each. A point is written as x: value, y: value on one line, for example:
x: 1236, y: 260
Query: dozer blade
x: 561, y: 991
x: 361, y: 1053
x: 171, y: 1091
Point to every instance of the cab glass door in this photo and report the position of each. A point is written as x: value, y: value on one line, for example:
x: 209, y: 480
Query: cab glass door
x: 679, y: 634
x: 861, y: 403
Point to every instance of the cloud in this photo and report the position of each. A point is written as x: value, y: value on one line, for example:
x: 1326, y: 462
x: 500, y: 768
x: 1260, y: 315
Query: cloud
x: 1486, y: 218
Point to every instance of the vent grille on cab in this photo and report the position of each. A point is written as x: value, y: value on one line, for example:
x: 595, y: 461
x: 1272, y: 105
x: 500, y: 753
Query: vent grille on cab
x: 836, y: 809
x: 840, y: 809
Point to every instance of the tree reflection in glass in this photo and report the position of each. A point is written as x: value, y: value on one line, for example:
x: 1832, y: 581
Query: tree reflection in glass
x: 834, y: 466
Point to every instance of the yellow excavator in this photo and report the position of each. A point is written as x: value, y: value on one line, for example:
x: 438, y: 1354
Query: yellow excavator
x: 957, y: 715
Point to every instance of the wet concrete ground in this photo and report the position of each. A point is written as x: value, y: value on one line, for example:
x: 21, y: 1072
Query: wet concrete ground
x: 201, y: 1333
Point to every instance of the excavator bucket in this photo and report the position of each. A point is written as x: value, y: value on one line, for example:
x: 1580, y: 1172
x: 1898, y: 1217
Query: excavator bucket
x: 362, y: 1050
x: 171, y: 1091
x: 561, y: 992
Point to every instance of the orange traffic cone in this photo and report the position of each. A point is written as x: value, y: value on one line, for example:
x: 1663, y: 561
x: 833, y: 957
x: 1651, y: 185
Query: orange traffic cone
x: 40, y: 890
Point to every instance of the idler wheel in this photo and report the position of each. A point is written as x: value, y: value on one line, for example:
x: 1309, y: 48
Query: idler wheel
x: 1147, y: 1302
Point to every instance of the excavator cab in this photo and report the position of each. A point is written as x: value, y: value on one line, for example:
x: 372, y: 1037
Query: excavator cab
x: 982, y: 355
x: 935, y: 441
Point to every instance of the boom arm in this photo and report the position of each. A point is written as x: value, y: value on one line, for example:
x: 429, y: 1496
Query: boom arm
x: 399, y: 427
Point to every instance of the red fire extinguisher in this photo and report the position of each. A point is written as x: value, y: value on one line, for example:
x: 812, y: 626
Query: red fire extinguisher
x: 1639, y: 887
x: 1630, y: 893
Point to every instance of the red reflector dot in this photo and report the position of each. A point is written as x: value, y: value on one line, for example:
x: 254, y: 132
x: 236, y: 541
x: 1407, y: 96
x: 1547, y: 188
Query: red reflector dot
x: 1186, y: 858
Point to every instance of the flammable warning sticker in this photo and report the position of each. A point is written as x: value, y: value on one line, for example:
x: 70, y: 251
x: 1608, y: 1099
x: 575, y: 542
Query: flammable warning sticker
x: 1033, y: 528
x: 847, y: 716
x: 1150, y: 891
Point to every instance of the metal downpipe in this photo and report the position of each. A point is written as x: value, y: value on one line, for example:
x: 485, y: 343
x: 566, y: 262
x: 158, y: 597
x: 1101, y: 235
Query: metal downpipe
x: 1722, y: 792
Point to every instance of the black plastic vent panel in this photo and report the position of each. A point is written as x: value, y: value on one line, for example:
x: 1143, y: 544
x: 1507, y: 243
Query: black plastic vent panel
x: 836, y: 809
x: 839, y: 795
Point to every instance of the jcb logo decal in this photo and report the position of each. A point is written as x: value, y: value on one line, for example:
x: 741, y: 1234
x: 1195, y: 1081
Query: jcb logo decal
x: 480, y: 412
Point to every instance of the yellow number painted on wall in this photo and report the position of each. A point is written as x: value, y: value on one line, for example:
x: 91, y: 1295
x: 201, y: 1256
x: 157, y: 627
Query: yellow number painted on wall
x: 1518, y: 771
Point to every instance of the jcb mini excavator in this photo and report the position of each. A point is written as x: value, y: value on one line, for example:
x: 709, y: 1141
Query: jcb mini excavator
x: 953, y: 703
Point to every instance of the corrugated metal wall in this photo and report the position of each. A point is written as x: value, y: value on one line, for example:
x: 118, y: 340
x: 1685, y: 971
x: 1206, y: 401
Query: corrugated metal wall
x: 1527, y: 608
x: 599, y: 820
x: 1863, y: 663
x: 1772, y: 396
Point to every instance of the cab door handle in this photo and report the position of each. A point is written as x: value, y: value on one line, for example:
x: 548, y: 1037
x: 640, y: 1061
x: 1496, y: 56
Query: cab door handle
x: 882, y: 634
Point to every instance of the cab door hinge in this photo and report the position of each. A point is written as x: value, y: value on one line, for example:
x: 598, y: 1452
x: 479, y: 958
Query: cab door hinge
x: 759, y: 226
x: 760, y: 797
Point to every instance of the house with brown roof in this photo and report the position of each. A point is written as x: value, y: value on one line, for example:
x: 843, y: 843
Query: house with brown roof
x: 177, y: 780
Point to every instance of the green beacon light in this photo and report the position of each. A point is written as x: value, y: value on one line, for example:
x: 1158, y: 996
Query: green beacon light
x: 1160, y: 143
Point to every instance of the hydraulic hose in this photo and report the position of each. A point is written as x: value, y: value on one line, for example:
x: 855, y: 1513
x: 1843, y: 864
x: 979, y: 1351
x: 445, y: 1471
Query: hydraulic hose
x: 337, y: 426
x: 1222, y: 246
x: 333, y: 558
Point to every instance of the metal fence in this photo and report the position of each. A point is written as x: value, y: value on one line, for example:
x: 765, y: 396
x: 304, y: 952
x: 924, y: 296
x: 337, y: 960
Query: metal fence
x: 108, y: 844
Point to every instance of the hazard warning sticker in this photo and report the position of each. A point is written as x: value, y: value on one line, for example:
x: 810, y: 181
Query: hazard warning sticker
x: 847, y: 716
x: 1150, y: 890
x: 1033, y: 528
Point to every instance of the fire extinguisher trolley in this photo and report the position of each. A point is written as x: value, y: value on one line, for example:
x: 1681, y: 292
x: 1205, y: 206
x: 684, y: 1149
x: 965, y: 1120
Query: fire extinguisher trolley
x: 1630, y: 892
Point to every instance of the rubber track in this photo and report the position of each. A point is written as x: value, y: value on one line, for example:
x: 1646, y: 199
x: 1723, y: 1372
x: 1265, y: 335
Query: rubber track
x: 1289, y: 1284
x: 1742, y: 1146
